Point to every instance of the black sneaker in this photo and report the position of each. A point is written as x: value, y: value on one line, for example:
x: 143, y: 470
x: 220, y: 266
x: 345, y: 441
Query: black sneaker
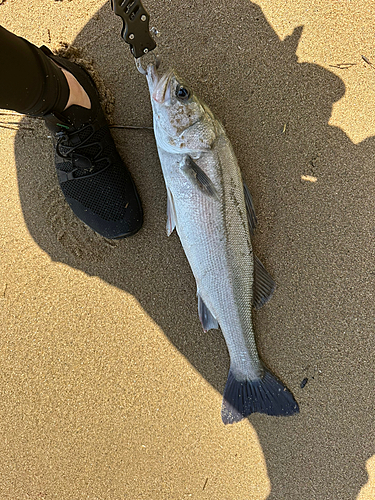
x: 91, y: 173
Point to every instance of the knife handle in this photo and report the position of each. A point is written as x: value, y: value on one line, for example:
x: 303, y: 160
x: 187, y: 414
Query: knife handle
x: 135, y: 30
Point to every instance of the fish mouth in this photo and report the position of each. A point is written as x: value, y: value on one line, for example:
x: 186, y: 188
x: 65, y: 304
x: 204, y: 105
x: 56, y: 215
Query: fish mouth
x: 161, y: 86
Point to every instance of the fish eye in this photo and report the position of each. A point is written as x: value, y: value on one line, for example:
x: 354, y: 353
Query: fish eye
x: 182, y: 93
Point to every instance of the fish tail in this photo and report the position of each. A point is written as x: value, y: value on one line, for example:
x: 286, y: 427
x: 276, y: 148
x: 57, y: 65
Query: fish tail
x: 266, y: 394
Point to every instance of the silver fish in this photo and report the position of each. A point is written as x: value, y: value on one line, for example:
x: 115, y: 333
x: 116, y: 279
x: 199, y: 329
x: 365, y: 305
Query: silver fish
x: 213, y: 214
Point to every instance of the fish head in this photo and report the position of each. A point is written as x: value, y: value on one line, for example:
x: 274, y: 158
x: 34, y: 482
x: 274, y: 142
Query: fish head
x: 181, y: 122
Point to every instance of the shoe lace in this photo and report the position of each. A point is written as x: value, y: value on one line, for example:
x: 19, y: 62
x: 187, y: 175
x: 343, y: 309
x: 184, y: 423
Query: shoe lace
x: 70, y: 146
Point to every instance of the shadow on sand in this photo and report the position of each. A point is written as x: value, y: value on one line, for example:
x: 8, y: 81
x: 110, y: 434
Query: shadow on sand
x: 315, y: 239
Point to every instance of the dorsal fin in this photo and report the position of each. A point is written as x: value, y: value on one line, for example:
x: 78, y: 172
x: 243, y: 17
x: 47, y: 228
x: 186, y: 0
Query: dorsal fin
x: 251, y: 217
x: 263, y: 286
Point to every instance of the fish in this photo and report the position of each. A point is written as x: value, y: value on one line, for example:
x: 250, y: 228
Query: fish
x: 212, y: 211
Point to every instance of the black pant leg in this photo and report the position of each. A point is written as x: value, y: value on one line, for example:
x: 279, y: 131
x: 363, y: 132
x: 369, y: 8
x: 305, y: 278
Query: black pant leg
x: 30, y: 82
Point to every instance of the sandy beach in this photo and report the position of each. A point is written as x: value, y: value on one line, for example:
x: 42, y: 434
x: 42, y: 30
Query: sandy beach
x: 109, y: 388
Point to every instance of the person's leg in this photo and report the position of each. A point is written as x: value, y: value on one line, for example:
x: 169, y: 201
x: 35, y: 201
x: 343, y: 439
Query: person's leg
x: 23, y: 84
x: 77, y: 94
x: 92, y: 176
x: 30, y: 83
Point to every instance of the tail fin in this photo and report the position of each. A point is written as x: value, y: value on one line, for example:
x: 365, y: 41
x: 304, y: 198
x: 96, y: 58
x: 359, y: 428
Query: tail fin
x: 263, y: 395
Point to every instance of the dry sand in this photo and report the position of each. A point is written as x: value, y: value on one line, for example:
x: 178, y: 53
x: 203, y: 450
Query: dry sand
x: 109, y: 389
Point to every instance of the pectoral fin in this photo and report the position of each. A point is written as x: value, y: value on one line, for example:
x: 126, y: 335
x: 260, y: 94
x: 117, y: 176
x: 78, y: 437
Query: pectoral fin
x: 171, y: 213
x: 196, y: 175
x: 264, y: 285
x: 206, y: 317
x: 251, y: 217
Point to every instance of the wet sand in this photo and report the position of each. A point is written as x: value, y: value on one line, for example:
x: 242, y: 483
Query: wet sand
x: 109, y: 387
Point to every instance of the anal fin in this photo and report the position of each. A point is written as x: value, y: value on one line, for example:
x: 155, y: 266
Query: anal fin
x: 207, y: 319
